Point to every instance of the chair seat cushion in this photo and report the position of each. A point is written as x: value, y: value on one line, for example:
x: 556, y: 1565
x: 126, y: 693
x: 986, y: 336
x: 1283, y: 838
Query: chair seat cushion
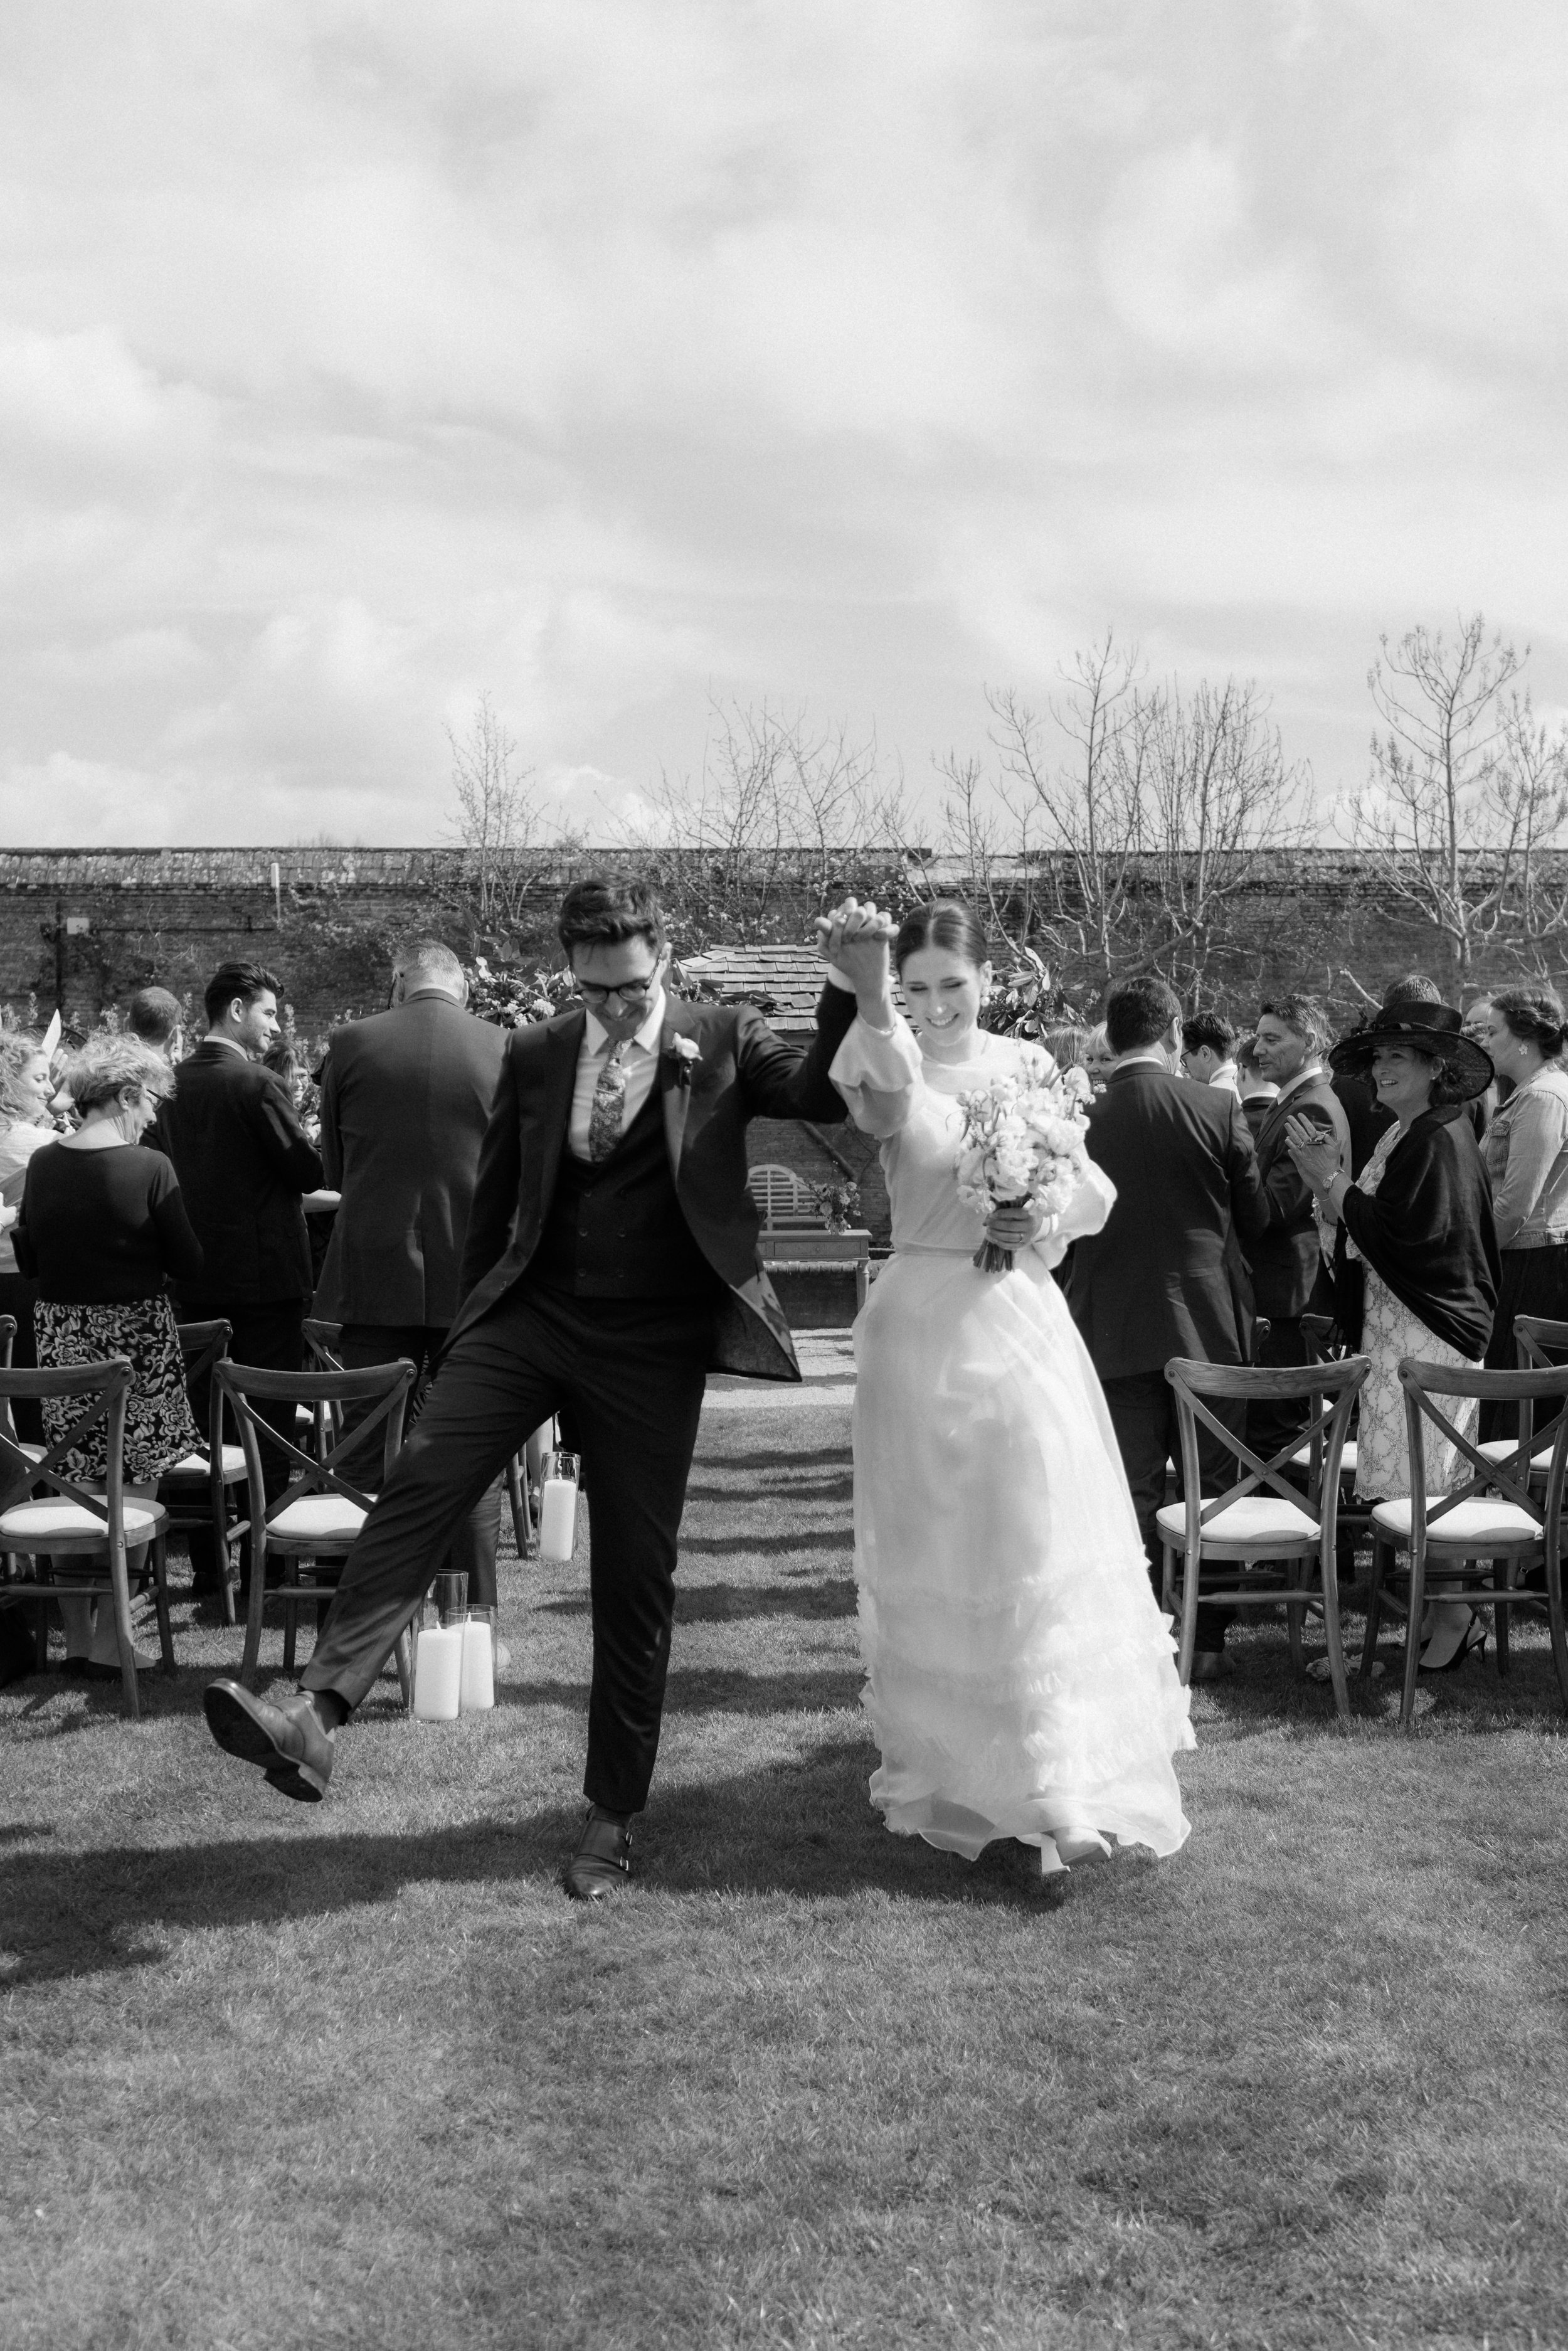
x: 1503, y: 1448
x: 195, y: 1465
x: 1301, y: 1458
x: 1479, y: 1522
x: 1260, y: 1519
x: 28, y: 1525
x: 324, y: 1518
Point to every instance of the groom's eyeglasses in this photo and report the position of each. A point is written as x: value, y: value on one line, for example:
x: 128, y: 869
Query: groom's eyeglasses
x: 630, y: 992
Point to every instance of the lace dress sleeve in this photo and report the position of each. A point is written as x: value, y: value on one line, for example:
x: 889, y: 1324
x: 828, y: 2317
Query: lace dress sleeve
x: 877, y: 1072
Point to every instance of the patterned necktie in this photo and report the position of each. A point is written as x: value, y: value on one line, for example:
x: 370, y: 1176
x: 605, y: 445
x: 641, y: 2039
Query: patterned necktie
x: 608, y: 1101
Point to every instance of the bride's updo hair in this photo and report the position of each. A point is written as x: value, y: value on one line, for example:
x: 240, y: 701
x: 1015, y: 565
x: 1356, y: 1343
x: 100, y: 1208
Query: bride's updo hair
x: 943, y: 923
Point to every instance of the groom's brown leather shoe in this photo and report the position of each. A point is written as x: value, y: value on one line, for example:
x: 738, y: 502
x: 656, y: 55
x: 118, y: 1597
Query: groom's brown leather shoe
x: 287, y: 1740
x: 601, y: 1863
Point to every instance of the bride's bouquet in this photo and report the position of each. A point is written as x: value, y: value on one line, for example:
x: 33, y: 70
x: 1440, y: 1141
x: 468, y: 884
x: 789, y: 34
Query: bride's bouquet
x: 1024, y: 1146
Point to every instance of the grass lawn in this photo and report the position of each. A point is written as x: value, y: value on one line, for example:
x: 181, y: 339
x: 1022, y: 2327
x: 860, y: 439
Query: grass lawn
x: 358, y: 2074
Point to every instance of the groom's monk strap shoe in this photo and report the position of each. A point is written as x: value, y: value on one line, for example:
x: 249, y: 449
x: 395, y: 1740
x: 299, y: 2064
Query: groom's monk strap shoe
x: 286, y: 1740
x: 602, y: 1861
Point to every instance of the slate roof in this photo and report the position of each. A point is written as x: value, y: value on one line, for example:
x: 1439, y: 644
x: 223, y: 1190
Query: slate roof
x: 784, y: 982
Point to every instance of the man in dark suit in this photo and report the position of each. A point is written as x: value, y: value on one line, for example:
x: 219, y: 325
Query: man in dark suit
x: 611, y: 1261
x: 244, y: 1163
x: 1164, y: 1277
x: 405, y: 1100
x: 1292, y: 1036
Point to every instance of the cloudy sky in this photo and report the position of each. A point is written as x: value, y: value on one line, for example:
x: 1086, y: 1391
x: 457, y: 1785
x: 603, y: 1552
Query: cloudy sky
x: 358, y: 358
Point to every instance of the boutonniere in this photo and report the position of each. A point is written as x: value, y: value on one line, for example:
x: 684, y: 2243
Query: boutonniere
x: 682, y: 1051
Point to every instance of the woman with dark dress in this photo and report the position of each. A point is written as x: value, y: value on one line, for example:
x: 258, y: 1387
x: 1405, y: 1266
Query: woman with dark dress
x: 1418, y: 1222
x: 103, y: 1230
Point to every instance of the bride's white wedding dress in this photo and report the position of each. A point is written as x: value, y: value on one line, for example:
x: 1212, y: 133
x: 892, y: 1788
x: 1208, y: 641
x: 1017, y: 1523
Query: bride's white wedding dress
x: 1020, y: 1678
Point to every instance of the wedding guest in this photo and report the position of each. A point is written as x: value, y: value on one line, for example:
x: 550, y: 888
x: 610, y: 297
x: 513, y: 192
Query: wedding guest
x: 244, y: 1163
x: 1526, y: 1156
x: 1368, y: 1118
x: 1098, y: 1059
x: 26, y: 1089
x: 102, y: 1232
x: 154, y: 1016
x: 1291, y: 1040
x: 1067, y: 1045
x: 1478, y: 1029
x: 1255, y: 1092
x: 405, y: 1100
x: 1419, y: 1220
x: 1165, y: 1276
x: 1208, y: 1050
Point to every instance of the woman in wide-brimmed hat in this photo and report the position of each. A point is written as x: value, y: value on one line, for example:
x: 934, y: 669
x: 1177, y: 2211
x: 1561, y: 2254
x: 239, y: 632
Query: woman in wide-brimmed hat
x: 1418, y: 1221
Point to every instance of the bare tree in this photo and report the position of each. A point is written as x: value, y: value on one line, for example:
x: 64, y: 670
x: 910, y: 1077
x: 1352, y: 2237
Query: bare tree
x: 1443, y: 823
x: 499, y: 823
x: 776, y: 804
x: 1216, y: 793
x: 1531, y: 794
x: 1089, y: 812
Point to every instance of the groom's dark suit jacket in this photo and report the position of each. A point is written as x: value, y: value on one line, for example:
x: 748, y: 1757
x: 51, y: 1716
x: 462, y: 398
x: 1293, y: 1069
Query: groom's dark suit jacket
x: 742, y: 1072
x: 1163, y: 1277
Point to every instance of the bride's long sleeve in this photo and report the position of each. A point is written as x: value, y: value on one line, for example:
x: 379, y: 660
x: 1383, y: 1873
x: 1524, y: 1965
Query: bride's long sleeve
x: 877, y: 1070
x: 1091, y: 1202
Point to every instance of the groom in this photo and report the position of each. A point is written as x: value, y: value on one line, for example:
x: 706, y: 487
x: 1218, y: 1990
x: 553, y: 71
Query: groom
x: 611, y: 1262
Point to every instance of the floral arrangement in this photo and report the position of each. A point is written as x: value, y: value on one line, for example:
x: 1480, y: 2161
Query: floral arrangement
x: 839, y: 1203
x: 1023, y: 1145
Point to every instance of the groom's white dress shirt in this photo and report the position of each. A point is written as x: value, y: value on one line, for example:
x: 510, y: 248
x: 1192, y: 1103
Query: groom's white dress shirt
x: 639, y: 1062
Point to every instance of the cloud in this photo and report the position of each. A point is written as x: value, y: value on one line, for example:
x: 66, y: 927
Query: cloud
x: 367, y: 360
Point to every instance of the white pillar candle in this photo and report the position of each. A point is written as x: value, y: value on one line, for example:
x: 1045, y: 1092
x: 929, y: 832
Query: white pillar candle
x: 438, y: 1673
x: 557, y: 1519
x: 478, y: 1667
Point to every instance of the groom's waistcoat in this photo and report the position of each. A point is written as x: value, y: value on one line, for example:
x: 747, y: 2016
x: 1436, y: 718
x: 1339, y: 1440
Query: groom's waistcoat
x: 615, y: 1228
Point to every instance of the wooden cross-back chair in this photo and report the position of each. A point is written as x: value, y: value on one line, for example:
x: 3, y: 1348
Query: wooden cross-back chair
x: 195, y: 1491
x: 1503, y: 1514
x: 1262, y: 1516
x: 73, y: 1521
x: 323, y: 1339
x: 1538, y: 1343
x: 319, y: 1516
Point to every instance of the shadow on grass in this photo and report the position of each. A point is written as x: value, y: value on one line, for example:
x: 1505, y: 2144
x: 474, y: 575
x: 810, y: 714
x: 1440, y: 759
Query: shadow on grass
x: 1267, y: 1695
x: 769, y: 1546
x: 792, y: 1460
x: 802, y: 1830
x: 725, y: 1604
x: 716, y: 1689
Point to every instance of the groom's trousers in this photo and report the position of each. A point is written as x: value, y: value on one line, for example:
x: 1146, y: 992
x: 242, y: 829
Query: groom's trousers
x: 630, y: 1374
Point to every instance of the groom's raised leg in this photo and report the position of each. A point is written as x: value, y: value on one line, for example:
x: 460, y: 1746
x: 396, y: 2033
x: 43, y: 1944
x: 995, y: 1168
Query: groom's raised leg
x: 479, y: 1409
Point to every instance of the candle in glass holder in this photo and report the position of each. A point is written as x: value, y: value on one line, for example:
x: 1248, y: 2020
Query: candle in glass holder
x: 478, y: 1693
x: 438, y: 1673
x: 558, y: 1507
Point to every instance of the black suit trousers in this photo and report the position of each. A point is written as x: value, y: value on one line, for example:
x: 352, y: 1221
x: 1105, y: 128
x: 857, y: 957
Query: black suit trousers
x: 473, y: 1542
x: 1271, y: 1425
x: 271, y: 1336
x: 1142, y: 1410
x: 630, y: 1374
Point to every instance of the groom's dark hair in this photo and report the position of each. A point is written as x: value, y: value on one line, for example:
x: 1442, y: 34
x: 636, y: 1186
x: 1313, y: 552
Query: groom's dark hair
x: 601, y: 910
x: 1138, y: 1012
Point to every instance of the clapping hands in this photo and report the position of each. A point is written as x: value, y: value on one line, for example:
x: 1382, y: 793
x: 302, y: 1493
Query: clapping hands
x: 1316, y: 1155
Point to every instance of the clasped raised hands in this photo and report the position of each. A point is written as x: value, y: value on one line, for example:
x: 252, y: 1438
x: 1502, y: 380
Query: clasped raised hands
x: 857, y: 941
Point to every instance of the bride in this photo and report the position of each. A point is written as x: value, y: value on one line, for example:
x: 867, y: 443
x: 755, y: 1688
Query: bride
x: 1020, y: 1678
